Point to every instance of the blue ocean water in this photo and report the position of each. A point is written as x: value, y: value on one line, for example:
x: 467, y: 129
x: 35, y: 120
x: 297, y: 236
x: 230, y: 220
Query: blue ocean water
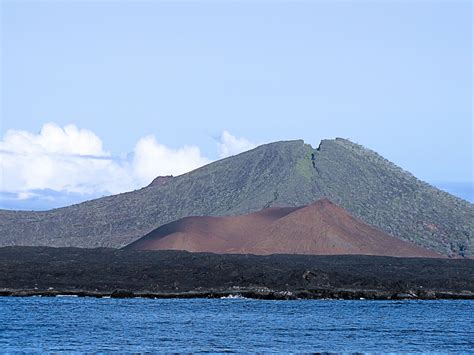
x: 227, y: 325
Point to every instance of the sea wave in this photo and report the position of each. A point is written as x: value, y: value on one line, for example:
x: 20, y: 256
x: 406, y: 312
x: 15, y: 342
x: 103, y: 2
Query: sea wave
x: 234, y: 297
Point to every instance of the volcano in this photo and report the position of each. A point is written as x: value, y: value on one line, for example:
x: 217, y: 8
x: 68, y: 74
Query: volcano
x: 321, y: 228
x: 280, y: 174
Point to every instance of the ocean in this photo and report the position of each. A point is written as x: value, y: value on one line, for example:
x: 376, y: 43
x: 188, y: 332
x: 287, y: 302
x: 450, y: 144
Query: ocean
x: 69, y: 324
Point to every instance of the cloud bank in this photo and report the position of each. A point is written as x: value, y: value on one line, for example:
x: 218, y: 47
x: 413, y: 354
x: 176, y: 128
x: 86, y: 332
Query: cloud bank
x: 151, y: 159
x: 230, y: 145
x: 72, y: 162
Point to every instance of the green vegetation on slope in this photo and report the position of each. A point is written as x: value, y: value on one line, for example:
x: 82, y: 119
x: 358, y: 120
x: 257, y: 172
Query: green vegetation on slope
x: 287, y: 173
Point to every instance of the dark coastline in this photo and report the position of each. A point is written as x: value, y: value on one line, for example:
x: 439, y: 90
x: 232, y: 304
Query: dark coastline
x: 252, y: 294
x: 42, y: 271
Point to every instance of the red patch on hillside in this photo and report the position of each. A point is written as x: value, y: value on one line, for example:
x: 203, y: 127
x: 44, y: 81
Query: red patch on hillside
x: 161, y: 180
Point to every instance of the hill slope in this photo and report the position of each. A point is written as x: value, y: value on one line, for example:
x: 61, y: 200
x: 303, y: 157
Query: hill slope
x: 321, y: 228
x: 287, y: 173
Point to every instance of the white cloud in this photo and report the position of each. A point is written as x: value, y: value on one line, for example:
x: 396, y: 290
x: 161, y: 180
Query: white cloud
x: 58, y: 158
x: 53, y: 139
x: 152, y: 159
x: 231, y: 145
x: 71, y: 161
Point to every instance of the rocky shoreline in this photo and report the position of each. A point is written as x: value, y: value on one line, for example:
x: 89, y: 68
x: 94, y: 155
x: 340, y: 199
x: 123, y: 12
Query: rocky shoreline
x: 251, y: 294
x: 42, y: 271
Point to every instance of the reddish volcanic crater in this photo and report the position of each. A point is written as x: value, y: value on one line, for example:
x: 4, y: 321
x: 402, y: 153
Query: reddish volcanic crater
x: 321, y: 228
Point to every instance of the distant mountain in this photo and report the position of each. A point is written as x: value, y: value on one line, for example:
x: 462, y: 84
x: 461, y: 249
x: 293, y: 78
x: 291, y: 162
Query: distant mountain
x: 321, y: 228
x: 289, y: 173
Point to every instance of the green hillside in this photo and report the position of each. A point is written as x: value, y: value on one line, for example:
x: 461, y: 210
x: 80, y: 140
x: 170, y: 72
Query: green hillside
x: 283, y: 173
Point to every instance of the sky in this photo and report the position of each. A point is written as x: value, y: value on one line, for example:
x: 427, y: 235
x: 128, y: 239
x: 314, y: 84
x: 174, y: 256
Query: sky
x: 99, y: 97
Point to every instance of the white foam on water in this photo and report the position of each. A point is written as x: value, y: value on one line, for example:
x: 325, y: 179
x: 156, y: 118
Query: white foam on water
x: 67, y: 296
x: 233, y: 297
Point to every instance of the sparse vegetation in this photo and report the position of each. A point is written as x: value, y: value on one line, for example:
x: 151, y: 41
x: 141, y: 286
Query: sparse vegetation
x: 357, y: 179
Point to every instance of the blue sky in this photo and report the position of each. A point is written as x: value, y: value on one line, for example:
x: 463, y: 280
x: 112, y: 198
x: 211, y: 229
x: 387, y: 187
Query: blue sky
x: 154, y: 82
